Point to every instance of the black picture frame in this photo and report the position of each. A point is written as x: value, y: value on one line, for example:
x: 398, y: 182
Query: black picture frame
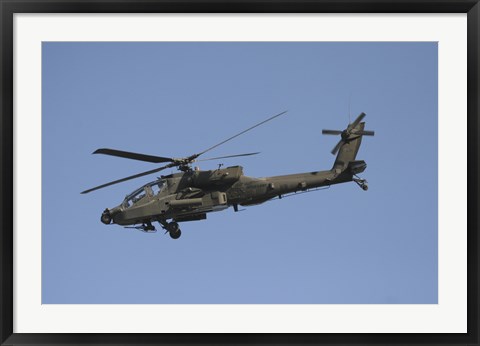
x: 7, y: 10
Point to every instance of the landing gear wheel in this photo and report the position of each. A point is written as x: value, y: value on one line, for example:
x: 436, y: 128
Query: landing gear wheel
x: 174, y: 230
x: 175, y: 234
x: 365, y: 187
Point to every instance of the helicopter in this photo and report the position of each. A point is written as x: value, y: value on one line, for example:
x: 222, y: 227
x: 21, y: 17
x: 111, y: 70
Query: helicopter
x: 191, y: 194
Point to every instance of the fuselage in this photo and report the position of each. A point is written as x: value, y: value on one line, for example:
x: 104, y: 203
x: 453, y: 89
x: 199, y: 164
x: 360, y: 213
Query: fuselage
x: 191, y: 195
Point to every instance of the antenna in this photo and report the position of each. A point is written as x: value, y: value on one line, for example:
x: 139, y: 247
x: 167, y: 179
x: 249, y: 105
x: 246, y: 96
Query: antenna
x: 349, y: 102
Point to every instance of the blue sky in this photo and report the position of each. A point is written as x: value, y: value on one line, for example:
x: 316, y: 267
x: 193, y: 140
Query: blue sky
x: 336, y: 246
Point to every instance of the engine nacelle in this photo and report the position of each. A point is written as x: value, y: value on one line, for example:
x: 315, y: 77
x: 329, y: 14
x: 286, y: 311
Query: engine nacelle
x: 226, y: 176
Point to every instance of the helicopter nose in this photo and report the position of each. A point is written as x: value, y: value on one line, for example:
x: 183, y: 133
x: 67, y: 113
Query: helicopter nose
x: 106, y: 218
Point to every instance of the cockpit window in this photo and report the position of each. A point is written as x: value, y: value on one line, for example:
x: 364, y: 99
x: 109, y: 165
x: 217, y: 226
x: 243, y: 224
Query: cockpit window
x: 135, y: 197
x: 154, y: 187
x: 157, y: 187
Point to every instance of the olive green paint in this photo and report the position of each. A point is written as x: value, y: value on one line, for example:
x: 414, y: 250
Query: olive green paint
x: 191, y: 194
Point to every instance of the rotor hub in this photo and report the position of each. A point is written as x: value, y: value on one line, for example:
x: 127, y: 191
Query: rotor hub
x: 185, y: 168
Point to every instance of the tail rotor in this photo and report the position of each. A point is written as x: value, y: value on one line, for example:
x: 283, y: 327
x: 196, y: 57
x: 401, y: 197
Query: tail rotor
x: 351, y: 132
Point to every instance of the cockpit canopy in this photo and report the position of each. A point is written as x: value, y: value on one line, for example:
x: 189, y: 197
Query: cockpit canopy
x: 151, y: 189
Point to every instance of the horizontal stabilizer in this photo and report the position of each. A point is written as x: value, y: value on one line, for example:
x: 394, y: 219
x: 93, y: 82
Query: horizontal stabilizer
x: 356, y: 167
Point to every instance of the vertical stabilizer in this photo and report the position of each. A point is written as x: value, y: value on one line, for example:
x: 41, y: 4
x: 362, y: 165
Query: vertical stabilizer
x: 349, y: 149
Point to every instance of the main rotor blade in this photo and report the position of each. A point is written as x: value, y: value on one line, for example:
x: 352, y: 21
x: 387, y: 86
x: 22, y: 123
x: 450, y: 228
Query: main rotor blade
x: 238, y: 134
x: 225, y: 157
x: 130, y: 177
x: 133, y: 156
x: 337, y: 147
x: 331, y: 132
x: 358, y: 120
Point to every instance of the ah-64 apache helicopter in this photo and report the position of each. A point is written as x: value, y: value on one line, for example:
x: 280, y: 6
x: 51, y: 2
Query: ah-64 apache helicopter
x: 192, y: 193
